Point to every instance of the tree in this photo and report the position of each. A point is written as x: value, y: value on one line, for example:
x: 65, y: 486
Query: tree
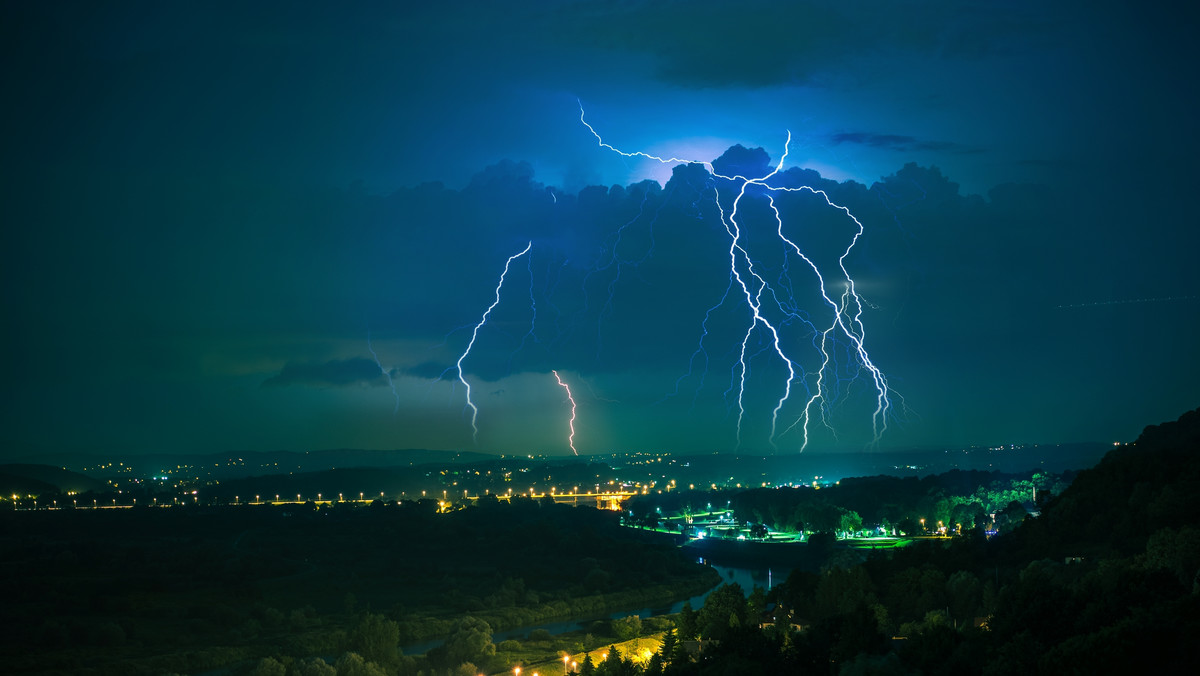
x: 668, y: 645
x: 963, y: 593
x: 756, y: 604
x: 689, y: 622
x: 353, y: 664
x: 470, y: 642
x: 627, y: 628
x: 840, y: 590
x: 377, y: 639
x: 612, y: 664
x: 1176, y: 550
x: 849, y: 522
x: 724, y: 608
x: 1013, y: 514
x: 315, y: 666
x: 269, y: 666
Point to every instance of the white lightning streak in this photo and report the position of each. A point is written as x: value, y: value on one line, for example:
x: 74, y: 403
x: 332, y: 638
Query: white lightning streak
x: 475, y: 333
x: 571, y: 438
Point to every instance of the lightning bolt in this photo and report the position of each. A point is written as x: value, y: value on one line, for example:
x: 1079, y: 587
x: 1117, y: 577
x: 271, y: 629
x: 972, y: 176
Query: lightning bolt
x: 845, y: 312
x: 386, y: 373
x: 571, y: 438
x: 475, y: 334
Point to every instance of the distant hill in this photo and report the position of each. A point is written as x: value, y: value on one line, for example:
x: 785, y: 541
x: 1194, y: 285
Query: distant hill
x: 233, y: 465
x: 29, y: 479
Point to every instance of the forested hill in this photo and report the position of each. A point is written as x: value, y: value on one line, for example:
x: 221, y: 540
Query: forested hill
x: 22, y: 479
x: 1105, y: 580
x: 1145, y: 491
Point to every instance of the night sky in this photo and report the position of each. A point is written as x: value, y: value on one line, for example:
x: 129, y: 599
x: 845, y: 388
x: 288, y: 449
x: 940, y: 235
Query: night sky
x: 209, y: 207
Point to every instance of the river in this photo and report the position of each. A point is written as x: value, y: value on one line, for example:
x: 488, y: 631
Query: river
x: 744, y: 577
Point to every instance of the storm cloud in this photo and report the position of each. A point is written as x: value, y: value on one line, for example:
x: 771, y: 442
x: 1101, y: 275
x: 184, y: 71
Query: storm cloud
x: 336, y: 373
x: 210, y: 208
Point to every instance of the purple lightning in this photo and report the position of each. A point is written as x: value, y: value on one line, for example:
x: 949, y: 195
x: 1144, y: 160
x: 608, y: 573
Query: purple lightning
x: 571, y: 438
x: 846, y: 311
x: 475, y: 333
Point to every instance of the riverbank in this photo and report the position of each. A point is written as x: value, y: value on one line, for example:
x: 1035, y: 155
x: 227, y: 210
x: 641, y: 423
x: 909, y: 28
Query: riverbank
x: 421, y: 635
x: 751, y: 554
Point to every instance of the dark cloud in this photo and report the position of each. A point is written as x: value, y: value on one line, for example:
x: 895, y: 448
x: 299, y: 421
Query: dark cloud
x: 895, y: 142
x: 709, y: 43
x: 334, y: 373
x: 1054, y: 164
x: 741, y: 161
x: 432, y: 370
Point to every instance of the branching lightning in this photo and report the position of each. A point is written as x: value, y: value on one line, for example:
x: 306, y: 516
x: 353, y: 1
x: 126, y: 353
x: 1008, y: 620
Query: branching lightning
x: 845, y: 319
x: 475, y: 334
x: 386, y: 373
x: 571, y: 437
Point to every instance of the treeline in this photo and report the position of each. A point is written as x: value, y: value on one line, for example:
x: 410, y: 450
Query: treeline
x: 120, y: 591
x: 956, y: 499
